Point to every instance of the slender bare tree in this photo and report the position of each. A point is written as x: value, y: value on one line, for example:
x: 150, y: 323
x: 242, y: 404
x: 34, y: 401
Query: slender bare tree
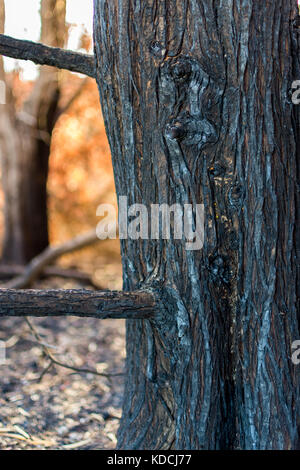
x: 25, y: 137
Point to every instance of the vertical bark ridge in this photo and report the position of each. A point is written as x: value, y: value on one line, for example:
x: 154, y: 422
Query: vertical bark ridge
x: 267, y: 381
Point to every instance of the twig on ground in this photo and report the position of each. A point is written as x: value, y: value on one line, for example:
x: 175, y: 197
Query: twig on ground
x: 54, y: 361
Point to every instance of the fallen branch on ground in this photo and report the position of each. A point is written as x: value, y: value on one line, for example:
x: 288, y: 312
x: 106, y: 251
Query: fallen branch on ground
x: 37, y: 265
x: 12, y: 270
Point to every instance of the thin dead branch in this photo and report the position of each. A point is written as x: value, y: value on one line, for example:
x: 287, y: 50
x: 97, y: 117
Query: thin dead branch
x: 46, y: 55
x: 56, y: 362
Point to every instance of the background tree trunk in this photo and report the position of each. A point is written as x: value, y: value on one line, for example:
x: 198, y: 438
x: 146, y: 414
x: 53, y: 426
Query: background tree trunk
x: 25, y: 147
x: 196, y: 100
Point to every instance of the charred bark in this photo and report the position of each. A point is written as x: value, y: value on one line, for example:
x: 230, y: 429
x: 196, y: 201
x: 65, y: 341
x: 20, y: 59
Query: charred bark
x: 196, y: 100
x: 25, y: 139
x: 78, y: 303
x: 44, y: 55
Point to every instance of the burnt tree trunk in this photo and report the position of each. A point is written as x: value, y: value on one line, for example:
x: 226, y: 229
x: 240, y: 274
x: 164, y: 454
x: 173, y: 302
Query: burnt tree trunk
x: 25, y: 147
x: 197, y: 104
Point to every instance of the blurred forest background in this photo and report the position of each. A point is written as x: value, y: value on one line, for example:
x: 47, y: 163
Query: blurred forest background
x: 55, y: 171
x: 80, y: 173
x: 80, y: 177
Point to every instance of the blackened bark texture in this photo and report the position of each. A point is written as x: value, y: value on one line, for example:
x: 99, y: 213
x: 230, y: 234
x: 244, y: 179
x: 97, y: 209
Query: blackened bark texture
x: 78, y: 303
x: 25, y: 138
x: 197, y: 104
x: 45, y: 55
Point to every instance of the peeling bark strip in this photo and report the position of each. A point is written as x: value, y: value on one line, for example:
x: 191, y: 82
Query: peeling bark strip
x: 45, y: 55
x: 78, y: 303
x: 196, y: 100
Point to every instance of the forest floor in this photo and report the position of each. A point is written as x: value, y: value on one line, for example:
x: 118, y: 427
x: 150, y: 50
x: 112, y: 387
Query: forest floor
x: 59, y: 408
x: 63, y: 409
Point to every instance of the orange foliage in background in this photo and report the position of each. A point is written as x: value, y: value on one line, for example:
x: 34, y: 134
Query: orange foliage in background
x: 80, y: 176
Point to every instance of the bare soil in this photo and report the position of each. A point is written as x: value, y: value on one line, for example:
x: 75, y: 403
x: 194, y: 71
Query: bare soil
x: 59, y: 408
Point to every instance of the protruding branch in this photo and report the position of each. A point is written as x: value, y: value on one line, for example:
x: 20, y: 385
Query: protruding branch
x: 45, y: 55
x: 79, y: 303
